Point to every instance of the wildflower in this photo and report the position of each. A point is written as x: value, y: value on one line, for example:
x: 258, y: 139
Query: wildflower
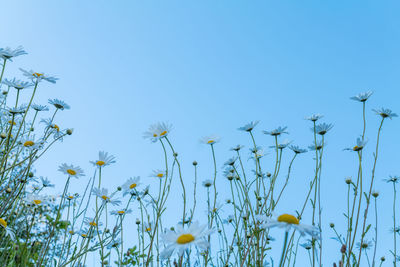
x: 148, y: 226
x: 322, y: 128
x: 17, y: 84
x: 229, y: 219
x: 114, y: 243
x: 130, y: 185
x: 104, y: 159
x: 319, y: 145
x: 38, y: 76
x: 257, y: 152
x: 181, y: 239
x: 385, y: 113
x: 59, y: 104
x: 35, y: 199
x: 46, y: 182
x: 70, y: 196
x: 237, y: 148
x: 84, y: 233
x: 157, y: 131
x: 103, y: 194
x: 362, y: 97
x: 70, y: 170
x: 288, y: 222
x: 249, y: 126
x: 276, y: 132
x: 364, y: 245
x: 92, y: 222
x: 297, y: 149
x: 207, y: 183
x: 393, y: 179
x: 282, y: 145
x: 210, y: 140
x: 9, y: 232
x: 314, y: 117
x: 230, y: 162
x: 8, y: 53
x: 18, y: 110
x: 158, y: 174
x: 359, y: 146
x: 121, y: 212
x: 40, y: 107
x: 32, y: 144
x: 307, y: 245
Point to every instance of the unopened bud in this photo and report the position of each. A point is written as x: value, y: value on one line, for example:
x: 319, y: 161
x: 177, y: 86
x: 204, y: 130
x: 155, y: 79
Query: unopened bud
x: 194, y: 163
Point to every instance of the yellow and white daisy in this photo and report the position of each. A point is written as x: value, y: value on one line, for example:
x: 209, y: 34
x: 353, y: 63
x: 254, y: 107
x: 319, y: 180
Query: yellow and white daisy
x: 71, y: 170
x: 103, y: 194
x: 38, y: 107
x: 37, y: 76
x: 32, y: 144
x: 92, y: 222
x: 158, y: 174
x: 59, y: 104
x: 35, y: 199
x: 181, y: 239
x: 288, y: 222
x: 70, y: 196
x: 157, y: 131
x: 104, y: 160
x: 17, y: 84
x: 130, y: 185
x: 210, y: 140
x: 8, y: 53
x: 9, y: 232
x: 121, y: 212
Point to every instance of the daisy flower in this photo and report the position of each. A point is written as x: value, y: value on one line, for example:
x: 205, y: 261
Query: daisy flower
x: 385, y: 113
x: 38, y: 76
x: 157, y: 131
x: 148, y: 226
x: 103, y: 194
x: 359, y: 146
x: 282, y: 145
x: 392, y: 179
x: 49, y: 124
x: 210, y: 140
x: 104, y: 159
x: 8, y: 53
x: 114, y: 243
x: 277, y: 131
x: 158, y: 174
x: 71, y: 170
x: 32, y: 144
x: 130, y: 185
x: 237, y: 148
x: 364, y: 245
x: 317, y: 146
x: 249, y: 126
x: 39, y: 107
x: 17, y: 84
x: 297, y: 149
x: 92, y: 222
x: 288, y: 222
x: 70, y: 196
x: 314, y: 117
x: 18, y: 110
x: 257, y: 152
x: 362, y: 97
x: 9, y: 232
x: 207, y: 183
x: 230, y: 162
x: 59, y: 104
x: 181, y: 239
x: 46, y: 182
x: 121, y: 212
x: 35, y: 199
x: 322, y: 128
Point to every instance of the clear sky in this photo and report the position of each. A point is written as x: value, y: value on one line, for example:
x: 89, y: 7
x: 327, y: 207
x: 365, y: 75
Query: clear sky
x: 208, y: 67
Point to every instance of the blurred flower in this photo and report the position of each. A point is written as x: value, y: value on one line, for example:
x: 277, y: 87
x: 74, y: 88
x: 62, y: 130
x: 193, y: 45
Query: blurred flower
x: 392, y: 179
x: 364, y: 245
x: 158, y: 174
x: 46, y: 182
x: 35, y: 199
x: 92, y: 222
x: 282, y: 145
x: 104, y: 160
x: 40, y: 107
x: 362, y: 97
x: 385, y: 113
x: 317, y: 146
x: 157, y: 131
x: 114, y: 243
x: 70, y: 170
x: 237, y: 148
x: 9, y: 232
x: 181, y: 239
x: 276, y: 132
x: 38, y: 76
x: 297, y: 149
x: 103, y: 194
x: 8, y: 53
x: 231, y: 161
x: 322, y: 128
x: 210, y: 140
x: 130, y: 185
x: 359, y: 146
x: 17, y: 84
x: 207, y: 183
x: 314, y: 117
x: 249, y: 126
x: 121, y: 212
x: 59, y: 104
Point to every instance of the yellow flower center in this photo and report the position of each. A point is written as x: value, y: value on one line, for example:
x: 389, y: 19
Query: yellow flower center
x: 70, y: 197
x: 148, y: 229
x: 3, y: 223
x: 71, y: 232
x: 357, y: 148
x: 184, y: 239
x: 37, y: 75
x: 55, y: 126
x: 100, y: 163
x: 287, y: 218
x: 163, y: 133
x: 84, y: 235
x: 12, y: 122
x: 132, y: 186
x: 93, y: 224
x: 71, y: 172
x: 160, y: 175
x: 29, y: 143
x: 154, y: 135
x: 210, y: 142
x: 120, y: 212
x: 37, y: 201
x: 105, y: 197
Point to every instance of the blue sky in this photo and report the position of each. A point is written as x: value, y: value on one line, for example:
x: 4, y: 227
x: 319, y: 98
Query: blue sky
x: 208, y: 67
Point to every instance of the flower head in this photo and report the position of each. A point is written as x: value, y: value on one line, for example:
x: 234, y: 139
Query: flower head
x: 17, y: 84
x: 158, y: 174
x: 59, y: 104
x: 103, y: 194
x: 8, y: 53
x: 210, y: 140
x: 359, y: 146
x: 362, y: 97
x: 249, y: 126
x: 314, y: 117
x: 393, y: 179
x: 297, y: 149
x: 35, y: 199
x: 46, y: 182
x: 276, y: 132
x: 71, y: 170
x: 40, y: 107
x: 104, y: 160
x: 385, y: 113
x: 130, y: 185
x: 207, y: 183
x: 181, y: 239
x: 4, y: 225
x: 121, y: 212
x: 38, y: 76
x: 157, y: 131
x: 322, y: 128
